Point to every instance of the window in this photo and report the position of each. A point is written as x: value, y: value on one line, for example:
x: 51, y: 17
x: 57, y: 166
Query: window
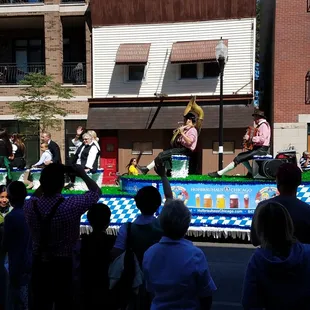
x: 189, y: 71
x: 211, y: 69
x: 136, y: 73
x: 229, y: 147
x: 142, y: 148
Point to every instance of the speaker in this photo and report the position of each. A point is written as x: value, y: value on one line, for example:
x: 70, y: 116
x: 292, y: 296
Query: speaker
x: 267, y: 169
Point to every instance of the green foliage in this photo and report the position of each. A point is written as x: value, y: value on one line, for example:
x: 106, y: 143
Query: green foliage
x: 41, y: 100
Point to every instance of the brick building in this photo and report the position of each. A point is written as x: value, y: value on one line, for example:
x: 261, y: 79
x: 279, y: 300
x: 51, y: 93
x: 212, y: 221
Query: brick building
x: 149, y: 57
x: 285, y: 65
x: 51, y: 36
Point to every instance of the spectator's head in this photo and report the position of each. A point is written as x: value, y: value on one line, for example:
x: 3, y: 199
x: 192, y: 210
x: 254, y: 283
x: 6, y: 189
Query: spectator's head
x: 87, y: 138
x: 17, y: 193
x: 274, y: 226
x: 305, y: 154
x: 45, y: 137
x: 93, y: 134
x: 133, y: 161
x: 99, y: 216
x: 148, y: 200
x: 4, y: 200
x: 189, y: 119
x: 175, y: 219
x: 52, y: 179
x: 44, y: 147
x: 4, y: 134
x: 288, y: 179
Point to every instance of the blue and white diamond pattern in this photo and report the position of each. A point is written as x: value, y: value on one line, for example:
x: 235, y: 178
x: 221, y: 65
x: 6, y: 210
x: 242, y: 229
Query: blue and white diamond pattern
x: 303, y: 193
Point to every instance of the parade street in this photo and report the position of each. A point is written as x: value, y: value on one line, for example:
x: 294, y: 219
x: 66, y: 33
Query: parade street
x: 227, y: 263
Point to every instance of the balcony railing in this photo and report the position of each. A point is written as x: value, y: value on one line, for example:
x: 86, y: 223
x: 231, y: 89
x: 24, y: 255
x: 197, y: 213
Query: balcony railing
x: 12, y: 74
x: 74, y: 73
x: 20, y: 1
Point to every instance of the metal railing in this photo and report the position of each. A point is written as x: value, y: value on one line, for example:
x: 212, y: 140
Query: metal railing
x: 74, y: 73
x: 12, y: 74
x: 20, y: 1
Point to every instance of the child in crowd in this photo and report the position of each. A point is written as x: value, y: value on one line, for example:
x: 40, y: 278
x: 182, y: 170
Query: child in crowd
x: 95, y: 259
x: 17, y: 244
x: 278, y: 274
x: 4, y: 207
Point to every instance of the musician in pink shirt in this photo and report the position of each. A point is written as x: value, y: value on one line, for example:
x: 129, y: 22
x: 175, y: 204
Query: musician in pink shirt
x: 185, y: 144
x: 261, y: 144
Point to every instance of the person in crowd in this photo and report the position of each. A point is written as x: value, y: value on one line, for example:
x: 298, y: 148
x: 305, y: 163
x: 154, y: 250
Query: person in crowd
x: 53, y: 147
x: 145, y: 230
x: 86, y: 156
x: 278, y: 273
x: 260, y: 146
x: 19, y: 150
x: 288, y: 179
x: 17, y: 244
x: 95, y: 138
x: 176, y: 272
x: 5, y: 208
x: 6, y: 152
x: 95, y: 259
x: 54, y: 224
x: 132, y: 167
x: 305, y: 161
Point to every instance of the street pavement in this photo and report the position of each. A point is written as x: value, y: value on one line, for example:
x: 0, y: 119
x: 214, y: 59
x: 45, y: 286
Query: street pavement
x: 227, y: 264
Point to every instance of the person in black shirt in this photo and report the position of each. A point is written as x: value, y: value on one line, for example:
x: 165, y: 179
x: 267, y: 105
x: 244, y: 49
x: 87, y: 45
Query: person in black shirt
x: 53, y: 147
x: 288, y: 180
x: 6, y: 152
x: 18, y: 157
x: 95, y: 259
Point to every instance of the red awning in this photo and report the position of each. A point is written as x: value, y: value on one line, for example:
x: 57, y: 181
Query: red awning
x: 133, y: 53
x: 194, y: 51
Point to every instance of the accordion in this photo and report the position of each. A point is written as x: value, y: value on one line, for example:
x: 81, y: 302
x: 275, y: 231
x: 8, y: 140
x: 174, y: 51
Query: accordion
x: 251, y: 132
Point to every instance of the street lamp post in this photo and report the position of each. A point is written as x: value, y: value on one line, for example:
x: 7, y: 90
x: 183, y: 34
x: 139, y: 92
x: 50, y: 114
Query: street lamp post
x: 221, y: 53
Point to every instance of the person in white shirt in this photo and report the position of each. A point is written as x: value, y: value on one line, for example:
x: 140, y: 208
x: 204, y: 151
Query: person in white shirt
x: 46, y: 155
x: 77, y: 141
x: 86, y: 156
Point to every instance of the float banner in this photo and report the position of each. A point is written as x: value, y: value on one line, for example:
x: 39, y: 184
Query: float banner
x: 202, y: 198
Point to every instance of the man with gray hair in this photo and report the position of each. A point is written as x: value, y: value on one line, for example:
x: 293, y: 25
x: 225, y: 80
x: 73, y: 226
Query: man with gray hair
x: 86, y: 156
x: 176, y: 272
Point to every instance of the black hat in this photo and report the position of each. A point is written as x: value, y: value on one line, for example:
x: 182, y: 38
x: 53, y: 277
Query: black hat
x: 259, y: 113
x: 190, y: 116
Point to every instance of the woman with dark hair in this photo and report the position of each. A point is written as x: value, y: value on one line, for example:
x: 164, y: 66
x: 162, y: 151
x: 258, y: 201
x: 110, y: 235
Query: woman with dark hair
x: 278, y: 274
x: 132, y: 167
x: 6, y: 151
x: 18, y: 146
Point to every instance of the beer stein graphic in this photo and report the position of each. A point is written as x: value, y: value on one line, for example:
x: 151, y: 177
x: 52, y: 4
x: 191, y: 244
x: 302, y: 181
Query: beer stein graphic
x: 246, y: 201
x: 234, y: 202
x: 197, y: 198
x: 207, y: 201
x: 220, y: 201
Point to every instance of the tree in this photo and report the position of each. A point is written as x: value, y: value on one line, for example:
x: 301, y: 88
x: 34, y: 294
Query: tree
x: 41, y: 101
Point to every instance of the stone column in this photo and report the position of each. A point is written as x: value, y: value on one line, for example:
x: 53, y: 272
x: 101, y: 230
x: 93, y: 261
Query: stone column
x: 53, y: 45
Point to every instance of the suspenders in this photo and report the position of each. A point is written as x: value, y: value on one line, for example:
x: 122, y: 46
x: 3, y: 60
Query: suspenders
x: 45, y: 250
